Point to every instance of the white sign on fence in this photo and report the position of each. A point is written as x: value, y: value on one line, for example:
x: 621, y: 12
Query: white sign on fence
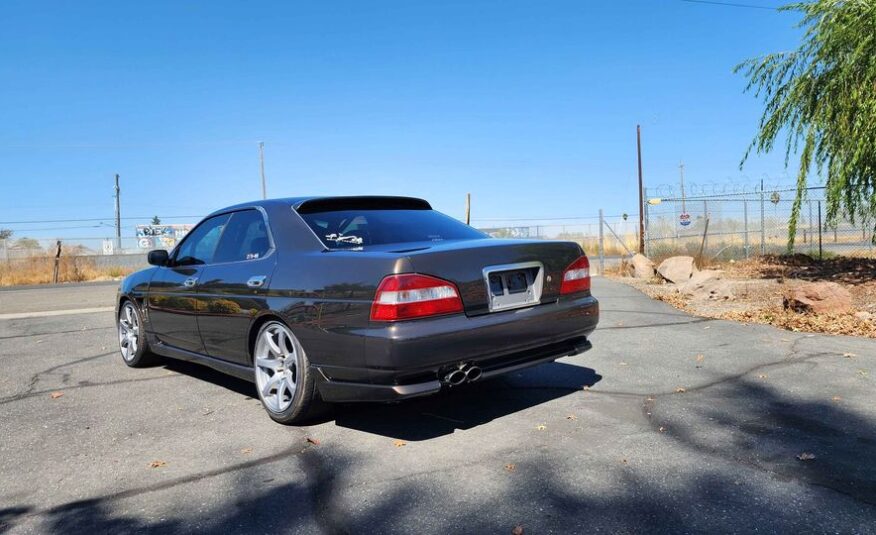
x: 684, y: 219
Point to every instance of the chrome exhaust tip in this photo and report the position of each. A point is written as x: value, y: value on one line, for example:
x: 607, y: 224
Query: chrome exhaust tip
x: 473, y: 373
x: 456, y: 377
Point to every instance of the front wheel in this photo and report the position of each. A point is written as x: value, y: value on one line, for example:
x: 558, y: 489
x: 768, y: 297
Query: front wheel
x: 132, y: 339
x: 283, y: 379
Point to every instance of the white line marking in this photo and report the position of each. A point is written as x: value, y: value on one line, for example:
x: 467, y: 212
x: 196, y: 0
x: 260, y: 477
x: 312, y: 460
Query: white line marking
x: 25, y: 315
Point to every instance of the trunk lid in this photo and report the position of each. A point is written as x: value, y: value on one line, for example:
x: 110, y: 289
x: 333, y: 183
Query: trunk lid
x: 463, y: 262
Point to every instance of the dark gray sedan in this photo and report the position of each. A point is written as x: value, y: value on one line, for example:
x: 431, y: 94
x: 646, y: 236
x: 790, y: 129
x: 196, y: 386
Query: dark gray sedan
x: 336, y: 299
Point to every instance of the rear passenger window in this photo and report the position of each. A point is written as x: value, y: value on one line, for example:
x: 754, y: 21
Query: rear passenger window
x: 245, y: 238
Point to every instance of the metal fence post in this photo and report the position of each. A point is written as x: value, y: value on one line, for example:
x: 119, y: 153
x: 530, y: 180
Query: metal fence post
x: 601, y: 245
x: 762, y: 231
x: 819, y: 231
x: 745, y: 226
x: 646, y: 238
x: 706, y: 217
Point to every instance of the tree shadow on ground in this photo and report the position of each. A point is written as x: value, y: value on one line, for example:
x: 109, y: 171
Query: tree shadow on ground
x: 724, y: 462
x: 843, y: 269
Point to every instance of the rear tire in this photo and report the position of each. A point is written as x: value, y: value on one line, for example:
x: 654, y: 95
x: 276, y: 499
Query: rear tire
x: 285, y: 383
x: 132, y: 337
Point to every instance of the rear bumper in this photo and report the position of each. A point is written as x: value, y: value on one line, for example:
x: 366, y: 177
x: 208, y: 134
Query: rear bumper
x: 407, y: 359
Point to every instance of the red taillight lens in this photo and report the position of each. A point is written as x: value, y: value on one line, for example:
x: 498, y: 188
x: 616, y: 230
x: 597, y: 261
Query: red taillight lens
x: 576, y: 277
x: 409, y: 296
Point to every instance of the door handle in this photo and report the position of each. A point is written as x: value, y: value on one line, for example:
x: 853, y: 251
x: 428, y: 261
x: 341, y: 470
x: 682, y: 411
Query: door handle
x: 191, y: 281
x: 256, y: 282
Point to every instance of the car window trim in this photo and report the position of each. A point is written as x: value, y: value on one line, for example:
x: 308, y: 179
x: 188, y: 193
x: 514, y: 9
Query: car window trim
x: 178, y: 246
x: 267, y: 227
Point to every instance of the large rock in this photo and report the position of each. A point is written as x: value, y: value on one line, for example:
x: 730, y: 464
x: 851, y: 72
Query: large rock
x: 699, y: 280
x: 818, y: 297
x: 677, y: 269
x: 642, y: 267
x: 708, y: 284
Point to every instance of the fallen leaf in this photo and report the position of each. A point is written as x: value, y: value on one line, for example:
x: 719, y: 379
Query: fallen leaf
x: 571, y: 417
x: 157, y: 464
x: 680, y: 390
x: 246, y: 451
x: 762, y: 376
x: 510, y: 467
x: 661, y: 429
x: 399, y: 443
x: 56, y: 395
x: 863, y: 373
x: 707, y: 327
x: 518, y: 530
x: 849, y: 355
x: 541, y: 427
x: 805, y: 456
x: 623, y: 364
x: 701, y: 357
x: 836, y: 398
x: 314, y: 441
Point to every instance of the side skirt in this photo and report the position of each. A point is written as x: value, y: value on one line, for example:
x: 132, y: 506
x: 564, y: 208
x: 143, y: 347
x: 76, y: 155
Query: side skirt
x: 230, y: 368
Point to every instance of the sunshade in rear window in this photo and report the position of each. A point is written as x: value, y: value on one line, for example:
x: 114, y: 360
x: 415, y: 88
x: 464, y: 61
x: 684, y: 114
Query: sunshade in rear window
x: 361, y: 227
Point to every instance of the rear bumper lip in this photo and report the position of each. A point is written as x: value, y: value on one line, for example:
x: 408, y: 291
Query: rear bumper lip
x: 347, y: 391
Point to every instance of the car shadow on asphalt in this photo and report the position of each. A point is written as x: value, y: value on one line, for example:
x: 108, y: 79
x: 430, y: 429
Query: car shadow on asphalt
x: 430, y: 417
x: 203, y: 373
x: 468, y: 406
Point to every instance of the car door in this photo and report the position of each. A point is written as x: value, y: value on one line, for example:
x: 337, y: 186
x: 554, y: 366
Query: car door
x: 172, y: 303
x: 233, y: 288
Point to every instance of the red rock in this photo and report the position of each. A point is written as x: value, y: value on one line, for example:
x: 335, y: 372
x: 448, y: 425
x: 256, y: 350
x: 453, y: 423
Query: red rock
x: 818, y: 297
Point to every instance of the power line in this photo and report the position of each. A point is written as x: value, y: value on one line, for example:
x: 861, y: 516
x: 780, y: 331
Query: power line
x: 106, y: 219
x: 730, y: 4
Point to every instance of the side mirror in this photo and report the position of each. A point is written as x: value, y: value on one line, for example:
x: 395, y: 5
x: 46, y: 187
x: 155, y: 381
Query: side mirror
x: 157, y: 257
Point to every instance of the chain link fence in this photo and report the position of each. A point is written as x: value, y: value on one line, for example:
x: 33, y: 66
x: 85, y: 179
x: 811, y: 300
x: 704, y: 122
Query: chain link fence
x: 735, y: 226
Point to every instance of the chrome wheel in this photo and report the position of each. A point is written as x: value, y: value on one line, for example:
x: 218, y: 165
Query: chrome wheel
x: 129, y: 331
x: 278, y: 357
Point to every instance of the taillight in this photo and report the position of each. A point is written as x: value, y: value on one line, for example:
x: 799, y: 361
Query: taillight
x: 409, y: 296
x: 576, y: 277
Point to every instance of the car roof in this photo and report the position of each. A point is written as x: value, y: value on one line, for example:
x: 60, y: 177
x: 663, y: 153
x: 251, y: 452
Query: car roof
x: 327, y: 203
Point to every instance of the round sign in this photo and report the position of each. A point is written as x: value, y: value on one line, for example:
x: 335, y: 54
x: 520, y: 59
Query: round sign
x: 684, y: 219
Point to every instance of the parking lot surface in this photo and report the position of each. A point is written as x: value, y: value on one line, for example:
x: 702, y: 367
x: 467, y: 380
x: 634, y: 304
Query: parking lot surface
x: 672, y: 423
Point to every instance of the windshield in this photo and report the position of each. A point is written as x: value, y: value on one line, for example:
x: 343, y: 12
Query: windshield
x: 356, y: 228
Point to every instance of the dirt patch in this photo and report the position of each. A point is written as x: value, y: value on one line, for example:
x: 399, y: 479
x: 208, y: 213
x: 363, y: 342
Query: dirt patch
x: 752, y: 292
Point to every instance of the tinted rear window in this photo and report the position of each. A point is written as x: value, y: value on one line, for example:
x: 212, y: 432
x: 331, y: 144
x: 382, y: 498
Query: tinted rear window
x: 355, y: 228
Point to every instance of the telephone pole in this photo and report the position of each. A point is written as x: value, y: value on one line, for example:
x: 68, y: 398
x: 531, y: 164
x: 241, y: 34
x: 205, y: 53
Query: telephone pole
x: 641, y: 192
x: 262, y: 167
x: 118, y: 218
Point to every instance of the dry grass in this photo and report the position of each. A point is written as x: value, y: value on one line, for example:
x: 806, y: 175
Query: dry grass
x: 822, y: 323
x: 38, y: 270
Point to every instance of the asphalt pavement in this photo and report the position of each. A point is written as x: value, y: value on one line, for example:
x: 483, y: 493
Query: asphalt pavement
x: 671, y: 424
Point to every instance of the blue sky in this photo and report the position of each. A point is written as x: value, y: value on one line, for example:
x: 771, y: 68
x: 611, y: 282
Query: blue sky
x: 530, y: 106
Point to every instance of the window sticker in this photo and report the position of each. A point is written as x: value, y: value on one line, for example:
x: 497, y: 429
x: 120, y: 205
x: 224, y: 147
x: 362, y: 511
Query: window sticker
x: 340, y: 238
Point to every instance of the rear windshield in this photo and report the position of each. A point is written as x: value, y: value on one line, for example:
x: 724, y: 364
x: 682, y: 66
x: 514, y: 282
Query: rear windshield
x: 357, y: 228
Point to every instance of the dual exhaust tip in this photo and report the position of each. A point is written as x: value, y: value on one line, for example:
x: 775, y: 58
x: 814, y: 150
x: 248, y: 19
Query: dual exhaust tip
x: 465, y: 373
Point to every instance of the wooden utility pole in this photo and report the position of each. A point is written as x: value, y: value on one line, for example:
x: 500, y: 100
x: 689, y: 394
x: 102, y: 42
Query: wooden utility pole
x: 56, y: 267
x: 262, y: 168
x: 118, y: 218
x: 641, y: 192
x: 468, y: 208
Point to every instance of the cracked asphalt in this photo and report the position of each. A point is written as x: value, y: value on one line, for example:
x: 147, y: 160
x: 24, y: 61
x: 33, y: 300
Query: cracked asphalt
x: 671, y: 424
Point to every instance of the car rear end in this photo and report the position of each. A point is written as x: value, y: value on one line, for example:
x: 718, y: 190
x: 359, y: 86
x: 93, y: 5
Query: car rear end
x: 471, y: 307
